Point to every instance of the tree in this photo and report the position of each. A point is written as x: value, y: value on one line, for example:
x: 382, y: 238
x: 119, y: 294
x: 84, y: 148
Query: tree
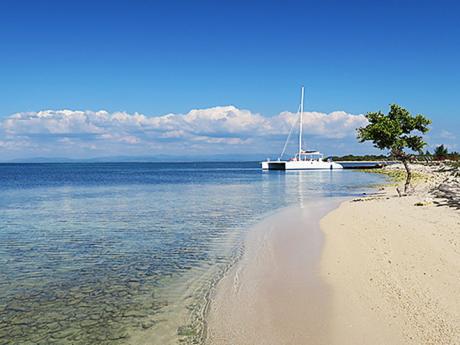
x: 441, y: 152
x: 396, y: 131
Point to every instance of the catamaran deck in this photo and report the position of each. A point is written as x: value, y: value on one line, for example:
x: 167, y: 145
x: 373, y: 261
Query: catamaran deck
x: 284, y: 165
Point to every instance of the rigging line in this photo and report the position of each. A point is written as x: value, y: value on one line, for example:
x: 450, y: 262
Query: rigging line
x: 289, y: 135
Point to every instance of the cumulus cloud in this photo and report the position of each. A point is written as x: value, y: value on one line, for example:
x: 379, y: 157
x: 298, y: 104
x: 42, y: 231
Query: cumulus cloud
x: 226, y: 125
x: 335, y: 125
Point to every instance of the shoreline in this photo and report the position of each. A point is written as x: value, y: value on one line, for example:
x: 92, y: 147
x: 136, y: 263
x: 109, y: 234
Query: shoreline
x: 386, y: 273
x: 270, y: 293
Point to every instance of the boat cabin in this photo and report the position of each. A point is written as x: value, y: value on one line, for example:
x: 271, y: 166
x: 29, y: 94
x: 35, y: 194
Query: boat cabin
x: 308, y: 156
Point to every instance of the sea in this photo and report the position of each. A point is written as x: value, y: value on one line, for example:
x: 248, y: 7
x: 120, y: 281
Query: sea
x: 129, y: 253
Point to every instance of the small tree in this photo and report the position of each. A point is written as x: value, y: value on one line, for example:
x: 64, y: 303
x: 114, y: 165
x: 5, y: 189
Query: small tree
x: 441, y: 152
x: 394, y: 132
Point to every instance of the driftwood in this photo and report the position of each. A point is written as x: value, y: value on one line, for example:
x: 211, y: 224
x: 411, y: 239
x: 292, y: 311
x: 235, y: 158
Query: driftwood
x: 447, y: 193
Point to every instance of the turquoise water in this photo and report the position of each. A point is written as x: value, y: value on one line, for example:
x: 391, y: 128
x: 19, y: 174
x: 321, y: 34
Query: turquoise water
x: 121, y: 253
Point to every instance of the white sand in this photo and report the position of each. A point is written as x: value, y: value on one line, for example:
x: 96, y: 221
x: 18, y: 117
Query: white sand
x: 394, y: 270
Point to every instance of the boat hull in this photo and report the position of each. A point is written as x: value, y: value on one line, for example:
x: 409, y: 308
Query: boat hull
x: 300, y: 165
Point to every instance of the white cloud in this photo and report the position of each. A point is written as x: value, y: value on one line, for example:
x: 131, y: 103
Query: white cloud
x: 55, y: 122
x: 335, y: 125
x: 227, y: 125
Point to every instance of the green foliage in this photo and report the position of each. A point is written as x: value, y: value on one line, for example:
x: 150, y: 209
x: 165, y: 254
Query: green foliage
x: 440, y: 152
x: 351, y: 157
x: 455, y: 156
x: 395, y: 131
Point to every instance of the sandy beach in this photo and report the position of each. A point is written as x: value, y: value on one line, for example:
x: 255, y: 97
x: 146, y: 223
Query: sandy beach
x: 376, y: 270
x: 393, y: 265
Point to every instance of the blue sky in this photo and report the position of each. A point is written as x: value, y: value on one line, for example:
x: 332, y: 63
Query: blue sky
x: 159, y: 57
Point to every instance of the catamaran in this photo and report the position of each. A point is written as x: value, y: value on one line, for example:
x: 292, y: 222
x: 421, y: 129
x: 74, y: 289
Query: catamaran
x: 303, y: 159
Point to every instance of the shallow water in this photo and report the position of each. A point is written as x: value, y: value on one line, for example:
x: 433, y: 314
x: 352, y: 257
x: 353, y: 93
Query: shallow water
x: 126, y: 252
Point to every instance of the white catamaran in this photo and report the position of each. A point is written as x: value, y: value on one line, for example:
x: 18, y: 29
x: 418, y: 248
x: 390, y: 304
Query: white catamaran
x: 303, y: 160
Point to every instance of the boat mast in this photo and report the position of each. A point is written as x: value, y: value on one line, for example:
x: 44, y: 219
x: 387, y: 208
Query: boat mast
x: 301, y: 122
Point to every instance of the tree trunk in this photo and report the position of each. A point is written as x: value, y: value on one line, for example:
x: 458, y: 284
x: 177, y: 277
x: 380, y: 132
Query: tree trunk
x: 408, y: 175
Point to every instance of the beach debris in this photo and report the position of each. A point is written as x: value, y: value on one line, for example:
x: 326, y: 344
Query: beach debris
x: 447, y: 193
x: 439, y: 180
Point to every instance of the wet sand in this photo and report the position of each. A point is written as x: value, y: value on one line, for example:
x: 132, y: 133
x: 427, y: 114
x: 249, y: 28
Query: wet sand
x: 273, y: 295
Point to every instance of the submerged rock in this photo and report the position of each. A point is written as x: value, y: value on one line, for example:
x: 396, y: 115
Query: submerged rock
x: 148, y: 324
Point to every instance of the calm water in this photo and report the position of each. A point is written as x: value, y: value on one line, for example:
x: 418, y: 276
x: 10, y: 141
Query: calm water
x: 125, y: 253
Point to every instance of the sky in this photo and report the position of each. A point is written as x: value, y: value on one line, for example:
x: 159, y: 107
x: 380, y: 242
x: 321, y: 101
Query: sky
x: 82, y: 79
